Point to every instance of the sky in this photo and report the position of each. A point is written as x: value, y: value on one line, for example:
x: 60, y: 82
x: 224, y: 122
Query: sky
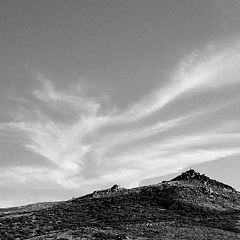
x: 128, y: 92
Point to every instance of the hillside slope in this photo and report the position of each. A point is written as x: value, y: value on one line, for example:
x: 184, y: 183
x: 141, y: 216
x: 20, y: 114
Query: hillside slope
x: 190, y: 206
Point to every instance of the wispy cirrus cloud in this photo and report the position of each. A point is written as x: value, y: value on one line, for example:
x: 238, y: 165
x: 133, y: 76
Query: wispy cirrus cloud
x: 204, y: 70
x: 131, y: 144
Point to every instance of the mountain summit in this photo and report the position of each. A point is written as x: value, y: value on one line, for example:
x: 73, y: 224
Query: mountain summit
x: 192, y: 175
x: 190, y: 206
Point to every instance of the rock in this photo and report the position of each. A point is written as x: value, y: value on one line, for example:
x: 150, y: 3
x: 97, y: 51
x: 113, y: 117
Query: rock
x: 193, y: 175
x: 115, y: 188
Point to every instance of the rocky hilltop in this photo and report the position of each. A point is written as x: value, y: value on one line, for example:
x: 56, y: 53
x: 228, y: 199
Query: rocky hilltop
x: 190, y: 206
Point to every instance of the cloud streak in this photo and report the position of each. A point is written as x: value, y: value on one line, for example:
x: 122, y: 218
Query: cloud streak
x: 198, y: 71
x: 129, y: 145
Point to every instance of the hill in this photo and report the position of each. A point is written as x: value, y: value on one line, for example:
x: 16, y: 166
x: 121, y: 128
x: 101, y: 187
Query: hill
x: 190, y: 206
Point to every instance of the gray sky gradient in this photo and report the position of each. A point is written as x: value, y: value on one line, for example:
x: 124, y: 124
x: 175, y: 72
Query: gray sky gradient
x: 94, y: 93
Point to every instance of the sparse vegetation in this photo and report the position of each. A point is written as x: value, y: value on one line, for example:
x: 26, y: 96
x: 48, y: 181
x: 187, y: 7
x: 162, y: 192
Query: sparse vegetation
x: 179, y: 209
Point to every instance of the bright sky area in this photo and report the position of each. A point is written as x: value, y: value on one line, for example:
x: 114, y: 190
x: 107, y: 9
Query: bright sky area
x: 94, y: 93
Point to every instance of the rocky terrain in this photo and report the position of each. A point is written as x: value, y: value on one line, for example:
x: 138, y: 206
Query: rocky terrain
x: 190, y: 206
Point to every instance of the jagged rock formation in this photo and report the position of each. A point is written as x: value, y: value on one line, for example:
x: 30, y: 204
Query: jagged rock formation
x: 193, y: 175
x: 106, y: 192
x: 178, y: 209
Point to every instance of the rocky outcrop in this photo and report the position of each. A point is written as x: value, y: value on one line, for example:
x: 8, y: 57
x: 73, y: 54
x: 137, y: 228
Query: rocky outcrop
x: 107, y: 192
x: 191, y: 175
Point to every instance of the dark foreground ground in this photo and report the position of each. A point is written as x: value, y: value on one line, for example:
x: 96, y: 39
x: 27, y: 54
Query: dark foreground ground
x: 191, y: 206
